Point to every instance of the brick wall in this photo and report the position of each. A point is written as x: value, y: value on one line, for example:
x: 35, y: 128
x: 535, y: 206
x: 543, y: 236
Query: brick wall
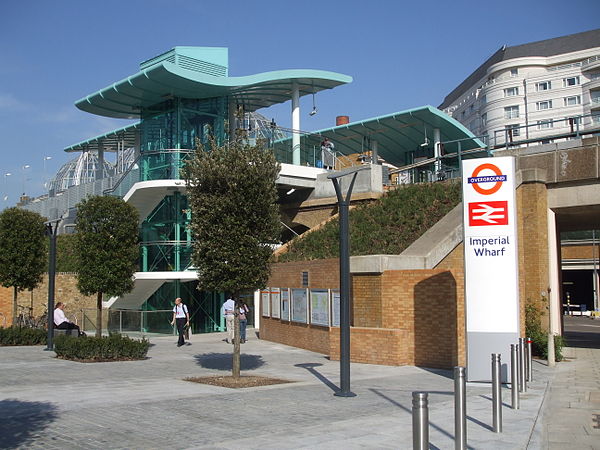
x: 309, y: 337
x: 65, y: 291
x: 532, y: 228
x: 373, y: 346
x: 578, y: 251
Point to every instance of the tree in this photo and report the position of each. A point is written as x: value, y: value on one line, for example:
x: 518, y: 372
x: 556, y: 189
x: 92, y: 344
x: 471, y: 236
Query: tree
x: 106, y: 248
x: 23, y: 252
x: 235, y: 219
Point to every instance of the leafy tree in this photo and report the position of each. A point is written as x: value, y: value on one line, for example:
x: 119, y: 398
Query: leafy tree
x: 23, y: 253
x: 235, y: 219
x: 106, y: 248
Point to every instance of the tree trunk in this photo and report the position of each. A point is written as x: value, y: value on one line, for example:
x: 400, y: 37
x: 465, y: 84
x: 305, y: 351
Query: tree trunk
x: 235, y: 366
x: 14, y: 308
x: 99, y: 315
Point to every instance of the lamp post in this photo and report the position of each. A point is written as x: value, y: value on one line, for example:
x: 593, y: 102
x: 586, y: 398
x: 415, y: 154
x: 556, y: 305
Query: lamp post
x: 46, y: 158
x: 6, y: 175
x: 51, y: 230
x: 26, y: 166
x: 343, y: 208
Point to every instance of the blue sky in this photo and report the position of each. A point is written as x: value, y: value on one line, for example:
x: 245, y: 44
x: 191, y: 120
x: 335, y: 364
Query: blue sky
x: 400, y: 54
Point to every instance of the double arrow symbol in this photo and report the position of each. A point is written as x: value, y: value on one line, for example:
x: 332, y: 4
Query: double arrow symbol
x: 488, y: 213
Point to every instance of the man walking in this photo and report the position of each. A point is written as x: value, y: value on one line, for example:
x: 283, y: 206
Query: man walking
x: 229, y: 311
x: 181, y: 316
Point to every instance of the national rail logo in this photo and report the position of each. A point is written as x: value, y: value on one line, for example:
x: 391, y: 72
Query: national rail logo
x: 497, y: 179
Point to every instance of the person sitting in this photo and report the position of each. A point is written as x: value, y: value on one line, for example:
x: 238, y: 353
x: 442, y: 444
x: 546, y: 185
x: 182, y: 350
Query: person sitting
x: 61, y: 322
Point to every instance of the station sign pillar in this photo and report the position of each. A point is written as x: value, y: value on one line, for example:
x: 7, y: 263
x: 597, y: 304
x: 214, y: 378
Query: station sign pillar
x: 491, y: 263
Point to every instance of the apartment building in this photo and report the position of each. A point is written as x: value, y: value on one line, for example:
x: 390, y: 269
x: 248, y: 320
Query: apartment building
x: 528, y: 91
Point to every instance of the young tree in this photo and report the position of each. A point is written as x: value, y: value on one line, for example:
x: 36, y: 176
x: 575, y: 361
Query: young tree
x: 235, y: 219
x: 106, y: 248
x: 23, y: 259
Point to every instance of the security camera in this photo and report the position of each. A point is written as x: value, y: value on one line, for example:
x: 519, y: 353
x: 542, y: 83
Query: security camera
x: 313, y: 112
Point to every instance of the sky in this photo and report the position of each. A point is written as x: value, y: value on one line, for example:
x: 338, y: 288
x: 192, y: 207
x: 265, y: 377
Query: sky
x: 400, y: 54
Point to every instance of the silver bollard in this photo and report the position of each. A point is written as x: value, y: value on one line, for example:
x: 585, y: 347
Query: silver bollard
x: 496, y: 393
x: 514, y: 376
x: 522, y: 381
x: 460, y: 408
x: 526, y: 350
x: 529, y: 360
x: 420, y: 421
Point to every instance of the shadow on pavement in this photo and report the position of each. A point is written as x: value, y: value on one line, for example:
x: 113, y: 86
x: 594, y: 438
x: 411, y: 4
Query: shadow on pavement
x: 223, y: 361
x: 21, y: 422
x: 311, y: 368
x: 409, y: 410
x: 582, y: 339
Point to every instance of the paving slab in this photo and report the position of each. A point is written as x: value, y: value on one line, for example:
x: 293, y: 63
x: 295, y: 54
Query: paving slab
x: 51, y: 403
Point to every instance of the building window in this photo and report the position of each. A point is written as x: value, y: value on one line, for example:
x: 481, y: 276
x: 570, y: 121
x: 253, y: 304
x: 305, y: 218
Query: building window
x: 512, y: 129
x: 571, y: 81
x: 544, y: 124
x: 596, y: 118
x: 595, y: 76
x: 514, y: 72
x: 473, y: 125
x: 483, y: 99
x: 511, y: 92
x: 573, y: 120
x: 484, y: 119
x: 511, y: 112
x: 541, y: 106
x: 572, y: 101
x: 471, y: 108
x: 543, y: 86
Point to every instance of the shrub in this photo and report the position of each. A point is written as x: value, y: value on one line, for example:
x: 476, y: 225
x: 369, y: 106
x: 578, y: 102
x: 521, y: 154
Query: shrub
x: 539, y: 337
x: 22, y: 336
x: 112, y: 348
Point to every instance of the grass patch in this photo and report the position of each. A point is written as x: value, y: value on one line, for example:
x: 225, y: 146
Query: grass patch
x: 229, y: 381
x: 386, y: 226
x: 92, y: 349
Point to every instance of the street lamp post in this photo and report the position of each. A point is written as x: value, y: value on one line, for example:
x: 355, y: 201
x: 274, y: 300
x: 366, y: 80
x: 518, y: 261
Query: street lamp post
x: 51, y: 230
x: 6, y: 175
x: 46, y: 158
x: 26, y: 166
x: 343, y: 208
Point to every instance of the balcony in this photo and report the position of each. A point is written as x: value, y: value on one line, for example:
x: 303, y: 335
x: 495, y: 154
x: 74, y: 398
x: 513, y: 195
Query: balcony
x: 593, y: 62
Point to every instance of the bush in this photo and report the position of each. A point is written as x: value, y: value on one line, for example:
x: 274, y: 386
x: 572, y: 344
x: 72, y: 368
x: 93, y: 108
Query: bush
x: 22, y: 336
x: 112, y: 348
x: 539, y: 337
x: 386, y: 226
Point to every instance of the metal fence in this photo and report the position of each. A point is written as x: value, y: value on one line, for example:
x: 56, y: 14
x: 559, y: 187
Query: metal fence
x: 129, y: 322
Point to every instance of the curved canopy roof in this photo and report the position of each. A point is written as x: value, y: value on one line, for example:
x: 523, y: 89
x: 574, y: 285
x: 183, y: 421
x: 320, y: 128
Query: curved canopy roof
x: 397, y: 134
x: 109, y: 141
x: 164, y: 80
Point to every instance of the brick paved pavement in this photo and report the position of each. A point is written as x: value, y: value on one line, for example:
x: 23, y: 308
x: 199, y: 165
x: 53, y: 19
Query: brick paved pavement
x: 51, y: 403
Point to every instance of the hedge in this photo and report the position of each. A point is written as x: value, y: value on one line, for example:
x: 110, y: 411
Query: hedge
x: 538, y: 336
x: 22, y: 336
x: 112, y: 348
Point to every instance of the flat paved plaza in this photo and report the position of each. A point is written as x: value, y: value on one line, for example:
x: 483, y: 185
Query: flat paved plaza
x: 50, y: 403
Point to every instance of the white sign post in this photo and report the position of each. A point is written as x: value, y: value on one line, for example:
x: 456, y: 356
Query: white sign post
x: 491, y: 263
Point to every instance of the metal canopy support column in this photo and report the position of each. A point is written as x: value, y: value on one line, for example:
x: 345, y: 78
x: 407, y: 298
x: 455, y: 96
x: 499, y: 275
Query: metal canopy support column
x: 375, y: 152
x: 437, y: 152
x: 100, y: 166
x: 295, y: 124
x: 231, y: 107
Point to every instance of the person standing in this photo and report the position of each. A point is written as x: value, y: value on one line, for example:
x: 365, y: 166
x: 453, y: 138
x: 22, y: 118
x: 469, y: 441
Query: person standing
x: 228, y: 312
x: 181, y: 316
x: 327, y: 154
x: 243, y: 312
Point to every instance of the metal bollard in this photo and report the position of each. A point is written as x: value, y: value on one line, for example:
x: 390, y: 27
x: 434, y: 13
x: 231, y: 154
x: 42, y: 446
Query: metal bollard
x: 496, y: 393
x: 529, y: 360
x: 526, y: 366
x: 522, y: 383
x: 420, y: 421
x: 460, y: 408
x: 514, y: 377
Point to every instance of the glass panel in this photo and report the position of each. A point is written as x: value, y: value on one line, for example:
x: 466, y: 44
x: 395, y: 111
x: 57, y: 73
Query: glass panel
x: 299, y: 305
